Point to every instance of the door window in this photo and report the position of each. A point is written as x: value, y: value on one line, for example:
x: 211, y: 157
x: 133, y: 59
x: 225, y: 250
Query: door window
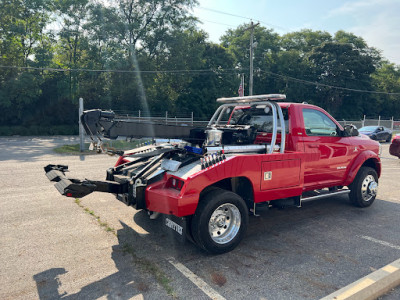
x: 317, y: 123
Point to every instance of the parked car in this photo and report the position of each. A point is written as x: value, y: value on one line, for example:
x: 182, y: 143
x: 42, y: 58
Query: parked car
x: 378, y: 133
x: 394, y: 148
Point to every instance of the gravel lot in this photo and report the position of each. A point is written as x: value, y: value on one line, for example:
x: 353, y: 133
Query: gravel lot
x: 54, y: 247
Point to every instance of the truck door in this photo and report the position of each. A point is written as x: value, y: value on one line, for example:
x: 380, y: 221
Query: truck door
x: 381, y: 133
x: 328, y: 154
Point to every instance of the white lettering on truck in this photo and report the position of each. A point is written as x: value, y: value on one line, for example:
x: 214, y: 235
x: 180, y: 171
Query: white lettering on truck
x: 171, y: 224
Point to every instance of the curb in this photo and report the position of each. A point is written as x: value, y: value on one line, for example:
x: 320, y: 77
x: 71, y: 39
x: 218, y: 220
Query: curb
x: 371, y: 286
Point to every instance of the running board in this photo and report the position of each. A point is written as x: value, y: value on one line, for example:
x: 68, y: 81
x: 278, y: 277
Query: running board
x: 325, y: 195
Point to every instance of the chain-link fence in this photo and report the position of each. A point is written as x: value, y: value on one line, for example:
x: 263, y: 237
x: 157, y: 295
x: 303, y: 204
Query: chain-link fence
x: 162, y: 117
x: 391, y: 124
x: 189, y: 118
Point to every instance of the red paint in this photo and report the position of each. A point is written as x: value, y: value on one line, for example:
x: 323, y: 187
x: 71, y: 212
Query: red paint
x: 394, y: 148
x: 184, y: 203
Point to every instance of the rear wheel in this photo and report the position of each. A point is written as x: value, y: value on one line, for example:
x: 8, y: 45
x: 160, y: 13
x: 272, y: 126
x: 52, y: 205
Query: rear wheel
x: 364, y: 188
x: 220, y: 221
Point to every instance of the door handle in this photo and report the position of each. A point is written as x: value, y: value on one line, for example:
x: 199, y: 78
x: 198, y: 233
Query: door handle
x: 312, y: 145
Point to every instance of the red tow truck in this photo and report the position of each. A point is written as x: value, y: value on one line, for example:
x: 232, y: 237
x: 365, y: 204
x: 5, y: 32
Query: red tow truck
x: 254, y: 151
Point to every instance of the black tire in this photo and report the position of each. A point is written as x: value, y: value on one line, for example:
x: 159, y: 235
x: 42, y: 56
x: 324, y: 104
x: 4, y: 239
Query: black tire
x: 220, y: 221
x: 388, y: 140
x: 364, y: 187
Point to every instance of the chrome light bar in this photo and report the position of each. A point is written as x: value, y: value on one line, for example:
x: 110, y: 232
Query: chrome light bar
x: 243, y: 149
x: 248, y: 99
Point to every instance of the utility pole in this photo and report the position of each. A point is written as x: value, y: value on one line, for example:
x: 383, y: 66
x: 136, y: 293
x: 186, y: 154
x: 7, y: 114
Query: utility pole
x: 242, y: 83
x: 81, y: 130
x: 252, y: 26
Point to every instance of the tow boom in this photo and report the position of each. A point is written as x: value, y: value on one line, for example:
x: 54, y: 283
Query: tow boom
x: 99, y: 123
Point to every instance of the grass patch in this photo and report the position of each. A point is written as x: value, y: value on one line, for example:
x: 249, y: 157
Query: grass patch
x: 151, y: 268
x: 74, y: 149
x: 102, y: 224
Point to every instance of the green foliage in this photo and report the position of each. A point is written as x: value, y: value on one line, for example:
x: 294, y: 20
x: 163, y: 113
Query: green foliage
x: 387, y: 79
x: 342, y: 65
x: 305, y: 40
x: 23, y: 23
x: 141, y: 35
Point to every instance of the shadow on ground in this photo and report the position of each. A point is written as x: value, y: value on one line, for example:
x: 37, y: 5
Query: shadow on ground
x: 130, y: 280
x: 308, y: 252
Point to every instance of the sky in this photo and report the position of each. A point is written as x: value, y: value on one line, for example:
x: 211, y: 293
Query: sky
x: 376, y: 21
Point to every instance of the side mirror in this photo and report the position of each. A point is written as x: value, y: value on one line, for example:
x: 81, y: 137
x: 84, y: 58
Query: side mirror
x: 351, y: 130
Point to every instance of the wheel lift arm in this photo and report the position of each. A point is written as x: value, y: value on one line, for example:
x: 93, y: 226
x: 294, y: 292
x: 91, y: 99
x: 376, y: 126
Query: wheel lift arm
x: 76, y: 188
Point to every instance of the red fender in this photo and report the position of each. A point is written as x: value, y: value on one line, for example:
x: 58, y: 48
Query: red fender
x: 359, y: 161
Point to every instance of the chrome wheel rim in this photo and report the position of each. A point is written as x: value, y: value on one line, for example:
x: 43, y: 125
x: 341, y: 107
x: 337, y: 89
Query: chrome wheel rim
x: 369, y: 188
x: 224, y: 223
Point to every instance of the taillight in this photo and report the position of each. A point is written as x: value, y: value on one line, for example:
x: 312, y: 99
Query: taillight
x: 175, y: 183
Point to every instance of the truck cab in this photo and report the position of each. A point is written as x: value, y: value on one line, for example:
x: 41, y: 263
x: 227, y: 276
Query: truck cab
x: 310, y: 129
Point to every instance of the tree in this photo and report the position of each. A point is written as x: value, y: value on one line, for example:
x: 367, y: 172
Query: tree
x: 137, y: 40
x: 359, y: 44
x: 266, y: 46
x: 146, y: 23
x: 71, y: 39
x: 128, y: 38
x: 284, y: 66
x: 387, y: 79
x: 201, y: 93
x: 305, y: 40
x: 22, y: 41
x: 22, y: 24
x: 341, y: 65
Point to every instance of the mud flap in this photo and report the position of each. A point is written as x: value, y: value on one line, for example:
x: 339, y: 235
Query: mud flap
x: 176, y: 227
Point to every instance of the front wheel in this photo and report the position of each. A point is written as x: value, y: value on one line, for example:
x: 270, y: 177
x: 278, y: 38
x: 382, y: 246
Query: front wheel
x: 220, y: 221
x: 364, y: 188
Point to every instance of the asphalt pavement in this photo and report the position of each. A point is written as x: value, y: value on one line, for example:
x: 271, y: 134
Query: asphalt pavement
x: 54, y: 247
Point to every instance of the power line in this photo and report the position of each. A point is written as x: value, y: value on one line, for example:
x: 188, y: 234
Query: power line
x: 229, y: 25
x: 327, y: 85
x: 223, y: 13
x: 276, y: 26
x: 242, y: 17
x: 201, y: 71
